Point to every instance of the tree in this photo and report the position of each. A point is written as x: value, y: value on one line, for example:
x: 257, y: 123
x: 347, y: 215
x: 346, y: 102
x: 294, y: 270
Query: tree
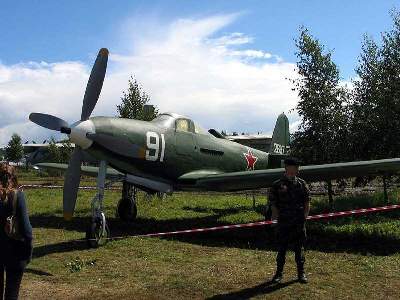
x: 323, y: 104
x: 366, y: 97
x: 2, y: 153
x: 59, y: 154
x: 65, y: 151
x: 376, y: 97
x: 133, y: 103
x: 388, y: 109
x: 53, y: 151
x: 14, y: 150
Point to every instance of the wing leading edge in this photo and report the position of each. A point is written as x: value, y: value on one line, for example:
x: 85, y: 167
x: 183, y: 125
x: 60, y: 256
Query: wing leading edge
x: 264, y: 178
x: 151, y: 184
x: 86, y: 170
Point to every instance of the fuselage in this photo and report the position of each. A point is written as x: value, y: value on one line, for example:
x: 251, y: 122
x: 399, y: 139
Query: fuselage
x: 172, y: 146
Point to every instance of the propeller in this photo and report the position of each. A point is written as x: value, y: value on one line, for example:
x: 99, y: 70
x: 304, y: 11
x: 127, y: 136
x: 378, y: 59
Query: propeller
x: 71, y: 183
x: 48, y: 121
x: 95, y: 83
x: 92, y: 93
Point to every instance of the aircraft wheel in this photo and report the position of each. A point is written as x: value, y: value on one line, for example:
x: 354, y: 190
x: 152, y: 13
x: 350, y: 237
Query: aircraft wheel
x: 127, y: 210
x: 148, y: 197
x: 161, y: 196
x: 267, y: 212
x: 97, y: 234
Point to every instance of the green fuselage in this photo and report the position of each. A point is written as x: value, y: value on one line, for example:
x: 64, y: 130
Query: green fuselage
x: 169, y: 153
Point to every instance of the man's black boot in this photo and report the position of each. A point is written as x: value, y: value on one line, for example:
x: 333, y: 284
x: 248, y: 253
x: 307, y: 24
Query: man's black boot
x: 279, y: 272
x: 277, y: 277
x: 280, y: 263
x: 299, y: 257
x: 301, y: 276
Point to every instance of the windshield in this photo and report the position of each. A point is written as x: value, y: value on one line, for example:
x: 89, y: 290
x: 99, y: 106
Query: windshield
x: 199, y: 129
x: 164, y: 120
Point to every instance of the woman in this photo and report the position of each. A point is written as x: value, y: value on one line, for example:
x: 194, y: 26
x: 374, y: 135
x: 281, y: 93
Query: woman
x: 14, y: 254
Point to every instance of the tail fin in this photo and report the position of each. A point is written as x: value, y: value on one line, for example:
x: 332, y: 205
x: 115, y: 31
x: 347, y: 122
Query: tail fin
x: 280, y: 142
x: 280, y: 137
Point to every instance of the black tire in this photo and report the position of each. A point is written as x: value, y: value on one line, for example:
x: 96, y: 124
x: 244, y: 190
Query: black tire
x: 127, y: 210
x: 93, y: 235
x: 267, y: 212
x: 160, y: 196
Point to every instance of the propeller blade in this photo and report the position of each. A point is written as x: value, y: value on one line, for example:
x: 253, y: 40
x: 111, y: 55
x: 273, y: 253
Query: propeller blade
x: 71, y: 183
x: 48, y: 121
x: 118, y: 145
x: 95, y: 83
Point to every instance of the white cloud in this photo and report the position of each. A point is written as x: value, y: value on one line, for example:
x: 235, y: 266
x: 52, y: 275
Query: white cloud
x: 235, y: 38
x: 294, y: 126
x: 52, y: 88
x: 251, y: 53
x: 185, y: 67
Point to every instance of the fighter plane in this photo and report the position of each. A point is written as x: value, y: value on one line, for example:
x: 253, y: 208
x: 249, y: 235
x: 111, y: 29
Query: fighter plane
x: 171, y: 153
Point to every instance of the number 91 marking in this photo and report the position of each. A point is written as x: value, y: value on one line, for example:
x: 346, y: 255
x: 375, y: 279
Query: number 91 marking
x: 153, y: 152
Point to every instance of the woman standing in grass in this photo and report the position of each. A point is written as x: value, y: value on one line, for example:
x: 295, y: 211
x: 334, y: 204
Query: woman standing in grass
x: 15, y: 233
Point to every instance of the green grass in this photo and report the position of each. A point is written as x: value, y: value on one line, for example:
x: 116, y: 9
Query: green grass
x: 351, y: 257
x: 376, y: 233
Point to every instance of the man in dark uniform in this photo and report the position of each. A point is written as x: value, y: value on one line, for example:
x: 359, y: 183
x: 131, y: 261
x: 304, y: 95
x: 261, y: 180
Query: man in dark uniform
x: 290, y: 203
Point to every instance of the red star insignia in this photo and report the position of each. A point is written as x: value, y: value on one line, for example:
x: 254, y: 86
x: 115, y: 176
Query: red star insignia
x: 251, y: 159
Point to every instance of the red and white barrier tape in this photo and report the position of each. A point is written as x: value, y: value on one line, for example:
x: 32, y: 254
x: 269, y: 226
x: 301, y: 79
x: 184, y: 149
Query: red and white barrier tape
x: 263, y: 223
x: 253, y: 224
x: 224, y: 227
x: 354, y: 212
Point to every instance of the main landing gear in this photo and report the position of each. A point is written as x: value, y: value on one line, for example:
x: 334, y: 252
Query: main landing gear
x: 127, y: 209
x: 98, y: 232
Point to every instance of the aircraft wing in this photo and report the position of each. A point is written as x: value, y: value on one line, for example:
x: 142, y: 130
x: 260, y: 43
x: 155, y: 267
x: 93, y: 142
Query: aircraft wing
x: 153, y: 184
x: 33, y: 147
x: 86, y: 170
x: 264, y: 178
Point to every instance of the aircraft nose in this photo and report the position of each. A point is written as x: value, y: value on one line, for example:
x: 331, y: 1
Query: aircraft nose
x: 79, y: 131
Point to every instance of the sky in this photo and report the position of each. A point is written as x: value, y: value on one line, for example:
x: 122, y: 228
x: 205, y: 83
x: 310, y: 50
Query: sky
x: 225, y: 64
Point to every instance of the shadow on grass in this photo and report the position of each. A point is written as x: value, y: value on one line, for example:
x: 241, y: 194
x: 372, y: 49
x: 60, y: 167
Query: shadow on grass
x: 226, y: 211
x: 46, y: 221
x: 325, y: 236
x: 37, y: 272
x: 62, y: 247
x: 260, y: 237
x: 261, y: 289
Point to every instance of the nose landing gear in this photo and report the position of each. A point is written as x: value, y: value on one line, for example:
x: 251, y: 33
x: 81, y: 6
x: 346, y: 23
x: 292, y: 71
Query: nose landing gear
x: 98, y: 232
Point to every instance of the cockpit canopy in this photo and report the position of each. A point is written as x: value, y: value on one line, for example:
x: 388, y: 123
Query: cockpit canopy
x: 179, y: 123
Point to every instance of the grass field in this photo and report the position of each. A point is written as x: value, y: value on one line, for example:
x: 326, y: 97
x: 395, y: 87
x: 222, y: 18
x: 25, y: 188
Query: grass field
x: 352, y: 257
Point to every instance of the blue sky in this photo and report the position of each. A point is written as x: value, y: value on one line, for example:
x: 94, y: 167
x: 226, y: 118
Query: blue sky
x: 70, y: 30
x: 223, y: 63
